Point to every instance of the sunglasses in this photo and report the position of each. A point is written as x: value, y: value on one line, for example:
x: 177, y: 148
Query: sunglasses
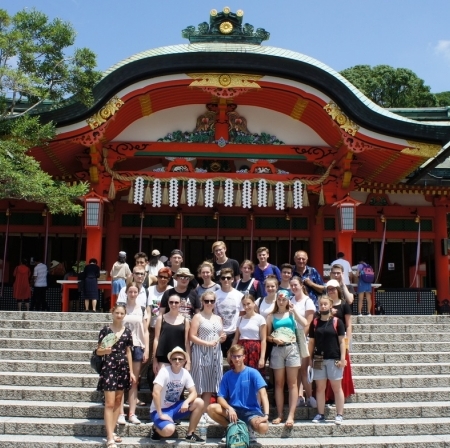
x: 138, y: 273
x: 226, y: 278
x: 162, y: 277
x: 177, y: 359
x: 209, y: 301
x: 174, y: 303
x: 182, y: 277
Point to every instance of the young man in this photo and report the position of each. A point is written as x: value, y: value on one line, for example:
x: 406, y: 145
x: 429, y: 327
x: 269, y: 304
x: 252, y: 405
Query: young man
x: 141, y: 259
x: 190, y: 302
x: 264, y: 268
x: 221, y: 261
x: 228, y: 306
x: 286, y: 275
x: 337, y: 273
x: 347, y: 272
x: 176, y: 260
x: 242, y: 393
x: 311, y: 278
x: 167, y: 406
x: 138, y: 276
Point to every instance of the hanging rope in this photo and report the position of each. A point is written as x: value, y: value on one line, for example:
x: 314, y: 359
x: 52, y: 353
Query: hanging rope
x: 383, y: 243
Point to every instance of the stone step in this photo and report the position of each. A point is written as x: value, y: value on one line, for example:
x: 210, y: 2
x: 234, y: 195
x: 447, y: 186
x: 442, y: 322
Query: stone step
x: 47, y: 316
x: 404, y: 381
x: 48, y: 379
x: 385, y: 347
x: 349, y: 428
x: 47, y: 344
x: 53, y: 325
x: 399, y: 357
x: 399, y: 337
x: 400, y: 369
x: 45, y: 355
x: 10, y: 365
x: 20, y: 333
x: 403, y: 395
x: 353, y: 411
x: 400, y: 328
x: 401, y: 319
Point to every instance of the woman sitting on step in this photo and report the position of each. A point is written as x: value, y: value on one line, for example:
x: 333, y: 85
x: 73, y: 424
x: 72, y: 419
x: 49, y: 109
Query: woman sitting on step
x: 327, y: 348
x: 115, y: 376
x: 137, y: 320
x: 285, y: 357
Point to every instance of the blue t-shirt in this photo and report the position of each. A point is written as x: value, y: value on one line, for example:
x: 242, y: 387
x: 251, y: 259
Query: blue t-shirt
x: 261, y: 275
x: 240, y: 389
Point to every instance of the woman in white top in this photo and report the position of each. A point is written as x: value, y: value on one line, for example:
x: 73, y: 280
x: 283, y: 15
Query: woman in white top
x: 137, y: 320
x: 266, y: 304
x: 306, y: 308
x: 205, y: 271
x: 251, y: 334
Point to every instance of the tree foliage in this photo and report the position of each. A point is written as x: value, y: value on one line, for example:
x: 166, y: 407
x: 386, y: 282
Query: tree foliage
x: 390, y: 87
x: 36, y: 73
x: 443, y: 98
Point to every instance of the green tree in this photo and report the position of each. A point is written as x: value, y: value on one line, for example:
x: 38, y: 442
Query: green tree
x: 36, y: 74
x: 443, y: 98
x: 390, y: 87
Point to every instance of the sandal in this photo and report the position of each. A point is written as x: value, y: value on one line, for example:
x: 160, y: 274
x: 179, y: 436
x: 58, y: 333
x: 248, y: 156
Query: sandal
x: 289, y: 424
x: 111, y: 444
x: 140, y: 403
x: 117, y: 438
x: 278, y: 420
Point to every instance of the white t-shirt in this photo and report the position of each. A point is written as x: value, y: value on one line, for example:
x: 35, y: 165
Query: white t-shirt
x: 228, y: 306
x: 249, y: 328
x: 135, y: 322
x: 40, y: 272
x: 154, y: 299
x: 304, y: 305
x: 153, y: 270
x: 172, y: 386
x: 141, y: 299
x: 265, y: 308
x: 347, y: 269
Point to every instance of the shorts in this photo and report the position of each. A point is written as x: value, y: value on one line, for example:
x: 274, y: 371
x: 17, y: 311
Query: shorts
x: 246, y: 415
x: 137, y: 353
x: 329, y: 371
x: 173, y: 411
x: 284, y: 356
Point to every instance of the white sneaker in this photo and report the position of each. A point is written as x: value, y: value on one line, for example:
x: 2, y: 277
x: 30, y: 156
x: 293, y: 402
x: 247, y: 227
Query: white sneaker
x: 208, y: 419
x: 312, y: 403
x: 121, y: 420
x: 369, y: 314
x: 133, y: 419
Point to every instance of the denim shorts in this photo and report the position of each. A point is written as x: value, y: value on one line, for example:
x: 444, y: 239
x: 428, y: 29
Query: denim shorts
x: 137, y: 354
x: 329, y: 371
x: 246, y: 415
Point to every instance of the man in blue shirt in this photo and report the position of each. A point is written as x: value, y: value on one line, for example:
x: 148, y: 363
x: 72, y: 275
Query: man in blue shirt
x: 311, y: 278
x: 240, y: 393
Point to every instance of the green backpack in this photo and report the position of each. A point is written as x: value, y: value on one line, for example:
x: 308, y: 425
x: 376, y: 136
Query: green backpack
x: 237, y: 435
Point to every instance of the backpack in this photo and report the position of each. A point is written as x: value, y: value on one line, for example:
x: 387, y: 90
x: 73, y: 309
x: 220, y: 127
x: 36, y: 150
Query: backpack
x: 237, y: 435
x: 335, y: 323
x: 367, y: 274
x: 379, y: 309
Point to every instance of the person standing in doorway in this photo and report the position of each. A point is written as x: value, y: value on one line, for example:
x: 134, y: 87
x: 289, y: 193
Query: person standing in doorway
x: 119, y: 274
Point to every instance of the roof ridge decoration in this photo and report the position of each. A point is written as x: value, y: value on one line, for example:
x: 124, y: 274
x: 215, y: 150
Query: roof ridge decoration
x: 225, y: 26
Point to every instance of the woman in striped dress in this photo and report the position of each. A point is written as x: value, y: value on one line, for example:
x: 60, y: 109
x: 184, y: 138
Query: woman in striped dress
x: 206, y: 334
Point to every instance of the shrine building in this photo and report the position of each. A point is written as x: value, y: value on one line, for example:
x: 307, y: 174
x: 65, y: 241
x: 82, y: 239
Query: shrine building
x: 227, y: 138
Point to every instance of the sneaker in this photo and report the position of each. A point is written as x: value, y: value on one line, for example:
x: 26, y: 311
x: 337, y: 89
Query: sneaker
x: 252, y: 435
x: 300, y: 402
x: 154, y: 436
x: 208, y: 419
x: 223, y: 439
x: 360, y: 314
x: 319, y: 418
x: 330, y: 404
x: 133, y: 419
x: 369, y: 314
x: 338, y: 420
x: 121, y: 420
x: 194, y: 438
x: 311, y: 403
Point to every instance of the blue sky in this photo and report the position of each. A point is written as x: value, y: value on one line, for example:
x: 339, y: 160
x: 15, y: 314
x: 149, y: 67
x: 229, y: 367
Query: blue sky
x: 403, y: 33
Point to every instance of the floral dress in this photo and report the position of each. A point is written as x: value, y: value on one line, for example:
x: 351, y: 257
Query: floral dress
x: 115, y: 373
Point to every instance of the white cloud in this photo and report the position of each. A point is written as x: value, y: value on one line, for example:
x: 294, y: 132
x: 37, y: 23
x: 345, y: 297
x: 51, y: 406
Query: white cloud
x: 443, y: 49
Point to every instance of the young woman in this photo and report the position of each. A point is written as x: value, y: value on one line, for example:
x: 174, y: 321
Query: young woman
x: 247, y: 284
x: 251, y: 334
x: 341, y: 309
x: 137, y: 320
x: 171, y: 330
x: 306, y: 308
x: 205, y: 271
x: 327, y: 348
x: 285, y: 357
x: 267, y: 302
x: 206, y: 334
x: 115, y: 376
x: 364, y: 289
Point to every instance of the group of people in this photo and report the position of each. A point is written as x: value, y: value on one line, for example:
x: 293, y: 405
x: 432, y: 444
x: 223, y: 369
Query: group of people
x: 248, y: 314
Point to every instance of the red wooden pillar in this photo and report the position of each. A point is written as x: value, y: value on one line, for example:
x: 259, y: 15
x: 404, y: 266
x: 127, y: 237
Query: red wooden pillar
x: 441, y: 261
x: 344, y: 244
x: 315, y: 255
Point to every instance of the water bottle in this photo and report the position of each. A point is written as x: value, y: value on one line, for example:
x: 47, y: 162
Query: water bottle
x: 203, y: 427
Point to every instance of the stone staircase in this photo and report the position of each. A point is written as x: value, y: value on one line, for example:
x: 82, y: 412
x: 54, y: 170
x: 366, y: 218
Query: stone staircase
x: 401, y: 367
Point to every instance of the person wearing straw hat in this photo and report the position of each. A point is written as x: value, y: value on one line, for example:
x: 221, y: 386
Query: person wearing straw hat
x: 168, y: 404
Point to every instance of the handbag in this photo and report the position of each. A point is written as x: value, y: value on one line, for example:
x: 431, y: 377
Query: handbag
x: 96, y: 362
x: 301, y: 342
